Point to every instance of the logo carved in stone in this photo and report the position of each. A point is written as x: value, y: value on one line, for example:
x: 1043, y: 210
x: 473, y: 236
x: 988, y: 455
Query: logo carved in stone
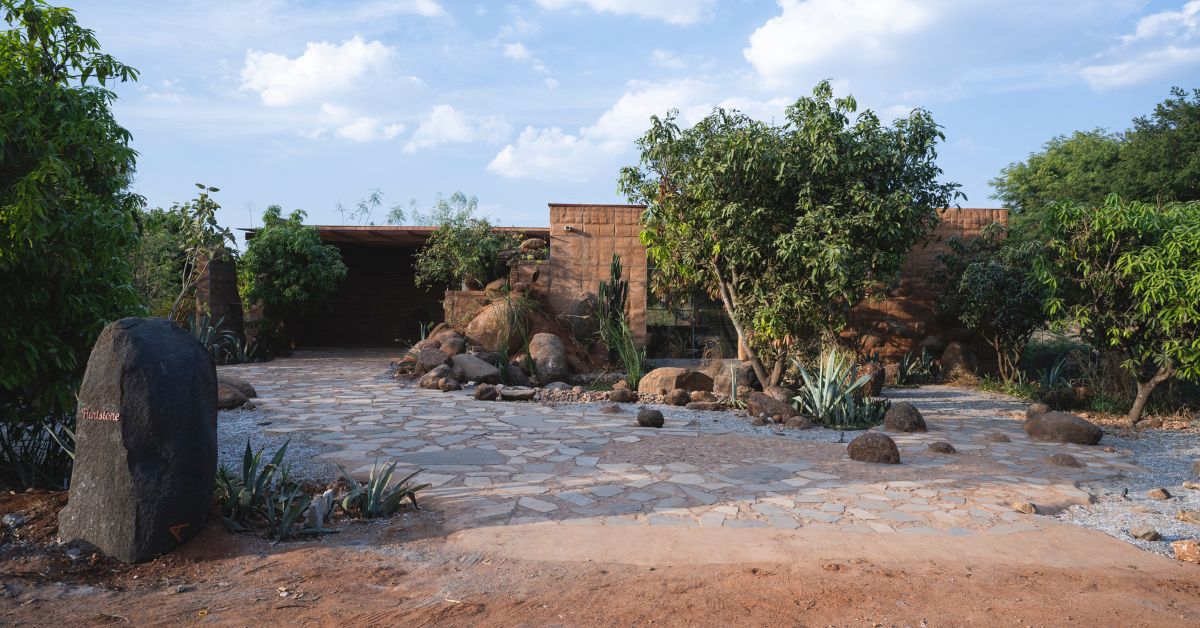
x: 99, y: 415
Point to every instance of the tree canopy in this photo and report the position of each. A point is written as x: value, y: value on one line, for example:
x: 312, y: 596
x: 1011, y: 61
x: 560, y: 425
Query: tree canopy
x: 463, y: 247
x: 788, y: 225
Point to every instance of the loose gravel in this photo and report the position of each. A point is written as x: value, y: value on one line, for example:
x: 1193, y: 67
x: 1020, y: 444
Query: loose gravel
x: 234, y: 427
x: 723, y: 422
x: 1122, y: 502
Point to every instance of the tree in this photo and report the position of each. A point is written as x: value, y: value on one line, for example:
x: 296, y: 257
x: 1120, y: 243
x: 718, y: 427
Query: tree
x: 288, y: 269
x: 463, y: 248
x: 1161, y: 156
x: 1127, y: 274
x: 987, y: 284
x: 458, y: 207
x: 789, y: 226
x: 66, y: 222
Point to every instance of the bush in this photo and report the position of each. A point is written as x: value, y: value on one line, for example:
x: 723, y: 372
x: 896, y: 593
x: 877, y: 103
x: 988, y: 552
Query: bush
x: 830, y: 395
x: 614, y: 324
x: 463, y: 249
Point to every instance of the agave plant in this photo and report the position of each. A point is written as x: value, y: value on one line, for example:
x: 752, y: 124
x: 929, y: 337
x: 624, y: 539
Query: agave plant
x: 915, y: 370
x: 860, y: 413
x: 374, y: 498
x: 828, y: 391
x: 242, y: 497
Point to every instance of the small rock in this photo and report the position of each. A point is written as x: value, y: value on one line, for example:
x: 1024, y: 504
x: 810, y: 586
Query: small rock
x: 249, y: 405
x: 702, y: 396
x: 942, y: 447
x: 1036, y: 409
x: 1145, y: 533
x: 578, y: 390
x: 1063, y: 427
x: 621, y: 385
x: 1189, y: 516
x: 1193, y: 486
x: 184, y: 588
x: 1187, y: 551
x: 874, y: 447
x: 678, y: 397
x: 996, y: 437
x: 611, y: 408
x: 622, y: 395
x: 707, y: 406
x: 14, y: 520
x: 903, y: 417
x: 486, y: 392
x: 229, y: 397
x: 762, y: 403
x: 798, y: 423
x: 557, y: 386
x: 517, y: 393
x: 447, y: 384
x: 431, y: 378
x: 758, y: 421
x: 1064, y: 460
x: 648, y: 417
x: 1158, y: 493
x: 1025, y: 507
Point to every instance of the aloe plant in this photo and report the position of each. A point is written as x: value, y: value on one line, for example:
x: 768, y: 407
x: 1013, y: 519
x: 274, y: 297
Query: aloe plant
x: 826, y: 392
x: 374, y: 498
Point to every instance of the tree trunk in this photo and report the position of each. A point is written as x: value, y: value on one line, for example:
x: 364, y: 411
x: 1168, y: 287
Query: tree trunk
x: 1144, y: 388
x: 727, y: 301
x: 777, y: 371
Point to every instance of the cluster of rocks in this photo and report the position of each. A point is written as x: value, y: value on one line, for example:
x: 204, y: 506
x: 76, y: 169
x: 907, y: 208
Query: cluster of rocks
x: 234, y: 392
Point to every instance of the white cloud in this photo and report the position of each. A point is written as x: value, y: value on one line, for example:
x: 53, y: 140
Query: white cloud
x: 809, y: 32
x: 324, y: 68
x: 670, y: 11
x: 369, y: 129
x: 445, y: 125
x: 545, y: 154
x: 550, y: 83
x: 1161, y: 43
x: 517, y: 51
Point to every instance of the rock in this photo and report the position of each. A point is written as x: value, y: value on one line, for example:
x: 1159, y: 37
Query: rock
x: 491, y: 357
x: 932, y: 344
x: 759, y: 404
x: 557, y: 386
x: 723, y: 379
x: 620, y: 384
x: 318, y: 510
x: 874, y: 447
x: 779, y: 393
x: 242, y: 385
x: 707, y: 406
x: 1064, y: 460
x: 1036, y: 409
x: 468, y: 368
x: 580, y: 317
x: 957, y: 357
x: 1024, y: 507
x: 663, y: 380
x: 13, y: 520
x: 903, y: 417
x: 874, y: 385
x: 549, y: 358
x: 702, y: 395
x: 1062, y: 427
x: 514, y: 375
x: 249, y: 405
x: 1158, y: 493
x: 678, y: 397
x: 517, y: 393
x: 891, y: 374
x: 493, y: 326
x: 451, y: 343
x: 622, y: 395
x: 496, y: 289
x: 145, y: 442
x: 1145, y: 533
x: 758, y: 421
x: 996, y: 437
x: 942, y: 447
x: 229, y: 397
x: 429, y: 359
x: 487, y: 392
x: 1187, y: 551
x: 1192, y: 486
x: 533, y: 244
x: 430, y: 380
x: 1189, y: 516
x: 428, y: 343
x: 648, y: 417
x: 611, y: 408
x: 798, y: 423
x: 1196, y: 469
x: 447, y: 384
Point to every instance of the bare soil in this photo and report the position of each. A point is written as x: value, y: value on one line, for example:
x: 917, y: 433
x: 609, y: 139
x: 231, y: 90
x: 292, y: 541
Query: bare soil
x: 408, y: 571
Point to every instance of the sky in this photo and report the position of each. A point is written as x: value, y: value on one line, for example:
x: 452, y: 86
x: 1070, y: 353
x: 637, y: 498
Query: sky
x: 312, y: 103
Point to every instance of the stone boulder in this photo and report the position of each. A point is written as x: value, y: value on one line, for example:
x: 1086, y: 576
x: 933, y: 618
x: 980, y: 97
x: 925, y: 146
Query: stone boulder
x: 622, y: 395
x: 514, y: 375
x: 580, y: 317
x: 493, y: 325
x: 517, y: 393
x: 702, y: 395
x: 1062, y: 427
x: 648, y: 417
x: 468, y: 368
x: 1036, y: 409
x: 450, y: 342
x: 430, y: 379
x: 723, y: 378
x: 874, y: 447
x: 780, y: 393
x: 759, y: 404
x: 942, y: 447
x: 903, y: 417
x: 707, y: 406
x: 447, y: 384
x: 549, y: 358
x: 229, y: 397
x: 491, y: 357
x: 145, y: 442
x: 678, y: 397
x: 1064, y: 460
x: 874, y: 385
x: 798, y: 423
x: 242, y: 385
x: 487, y: 392
x: 496, y: 289
x: 663, y: 380
x: 429, y: 359
x: 958, y: 358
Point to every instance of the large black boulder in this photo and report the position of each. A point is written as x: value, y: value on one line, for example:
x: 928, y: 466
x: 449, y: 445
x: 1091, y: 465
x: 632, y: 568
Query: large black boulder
x: 145, y: 442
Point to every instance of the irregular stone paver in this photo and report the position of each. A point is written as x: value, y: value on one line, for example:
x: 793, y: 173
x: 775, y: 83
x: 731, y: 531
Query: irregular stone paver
x: 507, y: 462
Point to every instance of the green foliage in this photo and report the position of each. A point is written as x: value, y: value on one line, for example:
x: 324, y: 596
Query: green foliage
x: 263, y: 497
x: 288, y: 269
x: 223, y: 345
x: 913, y: 370
x: 830, y: 396
x: 1019, y: 387
x: 734, y: 400
x: 66, y: 226
x: 463, y: 249
x: 987, y: 283
x: 378, y: 497
x: 614, y: 324
x: 791, y: 225
x: 1127, y: 275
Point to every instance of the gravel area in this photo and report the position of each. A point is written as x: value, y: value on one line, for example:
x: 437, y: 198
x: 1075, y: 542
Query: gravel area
x: 1122, y: 503
x: 235, y: 426
x: 723, y: 422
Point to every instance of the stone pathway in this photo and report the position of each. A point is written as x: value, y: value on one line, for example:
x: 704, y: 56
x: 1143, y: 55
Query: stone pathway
x: 497, y: 463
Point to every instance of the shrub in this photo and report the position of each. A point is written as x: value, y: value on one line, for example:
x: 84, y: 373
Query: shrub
x: 378, y: 497
x: 830, y: 395
x: 463, y: 249
x: 614, y: 324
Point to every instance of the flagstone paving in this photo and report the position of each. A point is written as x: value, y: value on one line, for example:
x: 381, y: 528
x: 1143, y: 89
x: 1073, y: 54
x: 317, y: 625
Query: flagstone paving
x: 496, y: 463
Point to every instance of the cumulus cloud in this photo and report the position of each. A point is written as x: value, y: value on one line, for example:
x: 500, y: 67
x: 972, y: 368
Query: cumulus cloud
x: 809, y: 32
x: 517, y: 51
x: 445, y: 125
x: 670, y: 11
x: 348, y: 125
x: 323, y: 69
x: 1161, y: 43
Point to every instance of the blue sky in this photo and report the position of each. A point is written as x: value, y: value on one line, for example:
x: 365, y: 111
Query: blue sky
x: 308, y: 103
